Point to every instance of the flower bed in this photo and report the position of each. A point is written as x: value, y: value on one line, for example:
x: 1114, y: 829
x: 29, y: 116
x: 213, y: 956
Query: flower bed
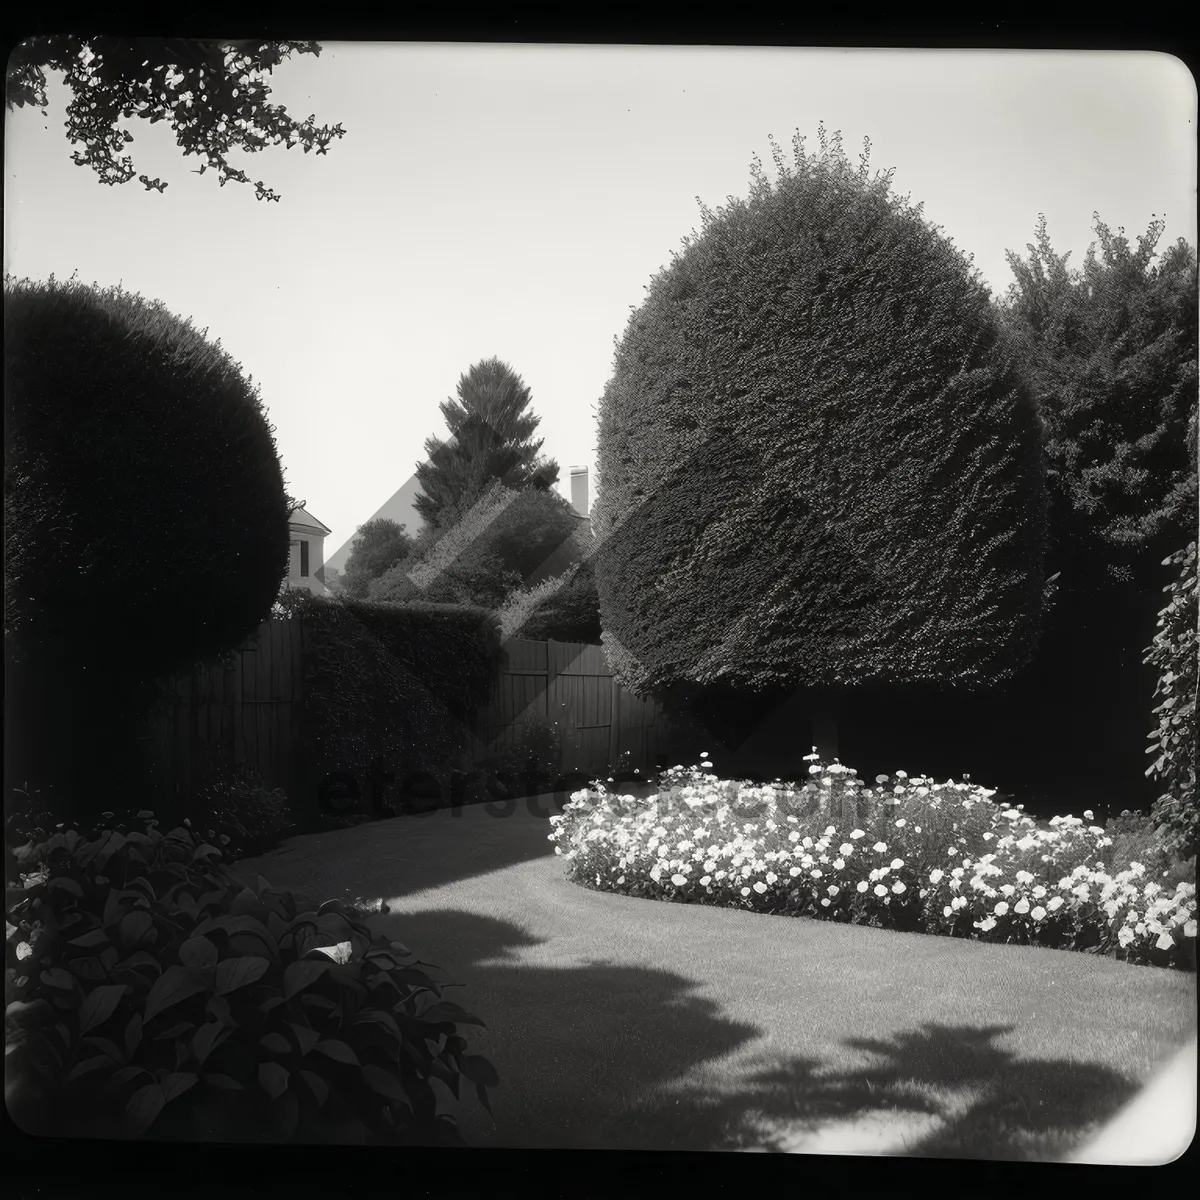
x: 906, y: 854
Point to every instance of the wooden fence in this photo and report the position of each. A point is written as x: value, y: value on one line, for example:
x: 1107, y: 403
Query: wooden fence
x: 248, y: 713
x: 572, y: 685
x: 251, y: 714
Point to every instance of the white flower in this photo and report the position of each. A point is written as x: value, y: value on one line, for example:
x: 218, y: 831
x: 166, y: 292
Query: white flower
x: 1055, y: 904
x: 947, y: 911
x: 881, y: 779
x: 705, y: 880
x: 1037, y: 913
x: 879, y: 847
x: 936, y: 875
x: 846, y: 848
x: 833, y: 889
x: 817, y: 873
x: 901, y: 823
x: 880, y: 890
x: 678, y: 880
x: 1165, y: 941
x: 1126, y: 935
x: 760, y: 887
x: 862, y: 887
x: 794, y: 871
x: 1189, y: 928
x: 745, y: 891
x: 901, y: 774
x: 839, y: 863
x: 897, y: 863
x: 1001, y: 908
x: 1008, y: 889
x: 1039, y: 892
x: 898, y: 887
x: 1021, y: 906
x: 986, y: 924
x: 771, y: 877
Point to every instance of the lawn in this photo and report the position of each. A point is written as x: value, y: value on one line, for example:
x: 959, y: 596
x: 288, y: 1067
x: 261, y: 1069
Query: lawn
x: 618, y: 1022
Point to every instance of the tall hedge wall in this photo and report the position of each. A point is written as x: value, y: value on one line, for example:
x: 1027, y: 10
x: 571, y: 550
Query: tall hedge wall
x: 816, y: 466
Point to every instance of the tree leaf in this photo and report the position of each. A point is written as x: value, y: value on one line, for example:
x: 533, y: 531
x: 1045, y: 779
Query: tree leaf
x: 302, y: 974
x: 236, y: 973
x: 56, y: 977
x: 64, y: 884
x: 478, y: 1070
x: 272, y: 1078
x: 341, y: 953
x: 320, y: 1088
x: 177, y: 1083
x: 198, y: 953
x: 376, y: 1016
x: 224, y: 1082
x: 97, y: 937
x: 446, y: 1010
x: 338, y: 1051
x: 175, y: 984
x: 90, y: 1064
x: 205, y: 1039
x: 385, y: 1083
x: 100, y: 1004
x: 124, y: 1074
x: 276, y: 1042
x: 144, y: 1106
x: 134, y: 927
x: 306, y: 1038
x: 133, y: 1034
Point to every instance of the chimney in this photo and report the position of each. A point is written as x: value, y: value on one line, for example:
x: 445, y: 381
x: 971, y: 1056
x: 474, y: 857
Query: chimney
x: 579, y: 490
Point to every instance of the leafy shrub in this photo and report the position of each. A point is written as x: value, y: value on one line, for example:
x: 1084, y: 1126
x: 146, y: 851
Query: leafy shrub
x: 236, y: 803
x: 907, y: 854
x: 528, y: 766
x: 561, y: 609
x: 111, y: 396
x: 819, y: 467
x: 1174, y: 653
x: 150, y: 992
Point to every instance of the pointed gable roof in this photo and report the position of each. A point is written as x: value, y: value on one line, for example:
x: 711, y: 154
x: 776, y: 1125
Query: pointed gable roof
x: 301, y: 519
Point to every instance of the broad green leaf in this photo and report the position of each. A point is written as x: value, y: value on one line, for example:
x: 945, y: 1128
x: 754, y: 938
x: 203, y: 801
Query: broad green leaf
x: 445, y: 1010
x: 206, y: 1039
x: 306, y: 1038
x: 385, y: 1083
x: 124, y: 1074
x: 478, y: 1070
x: 175, y: 1031
x: 134, y: 927
x: 375, y: 1016
x: 89, y: 970
x: 320, y: 1089
x: 204, y: 851
x: 337, y: 1050
x: 133, y: 1034
x: 341, y: 953
x: 90, y: 1064
x: 110, y: 847
x: 276, y: 1042
x: 176, y: 1084
x: 175, y: 984
x: 236, y: 973
x: 272, y: 1078
x: 99, y: 1005
x: 108, y: 1047
x: 97, y: 937
x: 144, y: 1106
x: 63, y: 884
x: 56, y: 977
x: 224, y: 1082
x: 270, y: 1004
x: 300, y: 975
x: 199, y: 953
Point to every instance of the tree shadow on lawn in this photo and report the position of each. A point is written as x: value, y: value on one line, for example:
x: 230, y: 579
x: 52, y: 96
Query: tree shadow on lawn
x: 604, y: 1055
x: 574, y: 1043
x: 959, y: 1094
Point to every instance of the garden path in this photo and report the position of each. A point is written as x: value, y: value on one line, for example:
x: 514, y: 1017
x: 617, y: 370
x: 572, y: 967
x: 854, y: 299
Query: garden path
x: 624, y: 1023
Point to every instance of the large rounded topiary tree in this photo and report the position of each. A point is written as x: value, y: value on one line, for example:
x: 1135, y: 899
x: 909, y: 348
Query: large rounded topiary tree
x: 146, y: 519
x: 817, y: 469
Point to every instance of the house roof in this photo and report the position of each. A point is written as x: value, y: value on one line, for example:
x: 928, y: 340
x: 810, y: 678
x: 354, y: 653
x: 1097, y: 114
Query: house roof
x: 301, y: 519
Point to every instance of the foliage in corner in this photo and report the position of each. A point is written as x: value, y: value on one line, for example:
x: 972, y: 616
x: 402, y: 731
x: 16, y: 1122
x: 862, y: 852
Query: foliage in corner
x: 152, y: 993
x: 235, y: 803
x: 214, y: 93
x: 1174, y: 653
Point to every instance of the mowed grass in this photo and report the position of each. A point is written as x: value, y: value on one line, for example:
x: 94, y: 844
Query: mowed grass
x: 625, y: 1023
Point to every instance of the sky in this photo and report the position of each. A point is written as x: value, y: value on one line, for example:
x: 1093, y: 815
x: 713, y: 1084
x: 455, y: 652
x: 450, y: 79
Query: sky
x: 516, y: 200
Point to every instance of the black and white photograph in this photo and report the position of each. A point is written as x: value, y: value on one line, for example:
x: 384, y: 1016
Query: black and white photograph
x: 601, y: 597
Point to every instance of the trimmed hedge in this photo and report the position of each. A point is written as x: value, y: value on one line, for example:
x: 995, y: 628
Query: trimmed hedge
x: 819, y: 469
x: 145, y: 525
x: 146, y: 521
x: 392, y: 687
